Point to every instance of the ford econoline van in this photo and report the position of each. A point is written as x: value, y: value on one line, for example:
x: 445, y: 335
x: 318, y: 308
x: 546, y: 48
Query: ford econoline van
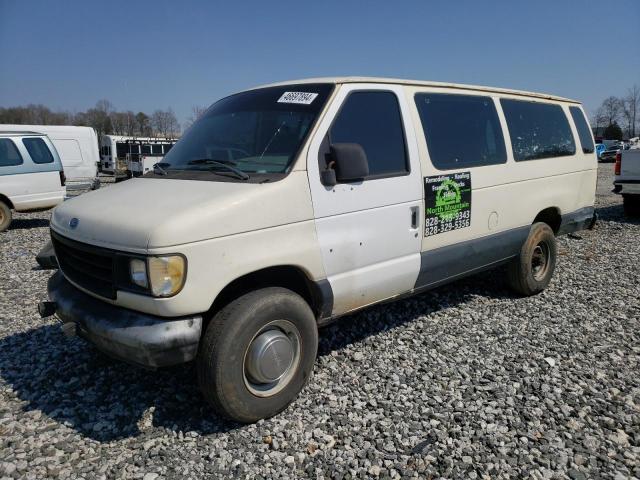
x: 287, y: 206
x: 31, y: 175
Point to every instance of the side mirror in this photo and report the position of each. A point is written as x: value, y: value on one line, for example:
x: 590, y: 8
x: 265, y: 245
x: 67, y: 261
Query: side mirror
x: 351, y: 162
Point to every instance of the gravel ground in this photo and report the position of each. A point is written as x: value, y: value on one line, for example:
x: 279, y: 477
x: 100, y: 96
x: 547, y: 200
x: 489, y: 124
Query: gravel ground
x: 465, y: 381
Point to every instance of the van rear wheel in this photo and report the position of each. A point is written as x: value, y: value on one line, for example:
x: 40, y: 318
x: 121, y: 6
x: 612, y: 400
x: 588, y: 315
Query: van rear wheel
x: 531, y: 271
x: 5, y: 216
x: 257, y: 354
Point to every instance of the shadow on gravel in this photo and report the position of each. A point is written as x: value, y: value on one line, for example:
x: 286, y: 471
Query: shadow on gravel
x: 101, y: 398
x: 374, y: 320
x: 615, y: 213
x: 24, y: 223
x: 104, y: 399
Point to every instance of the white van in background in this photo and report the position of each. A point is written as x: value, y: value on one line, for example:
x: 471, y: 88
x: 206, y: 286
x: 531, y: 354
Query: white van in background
x: 287, y: 206
x: 77, y: 148
x: 31, y: 175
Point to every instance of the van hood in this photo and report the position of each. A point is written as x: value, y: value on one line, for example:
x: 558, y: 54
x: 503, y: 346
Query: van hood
x: 149, y: 213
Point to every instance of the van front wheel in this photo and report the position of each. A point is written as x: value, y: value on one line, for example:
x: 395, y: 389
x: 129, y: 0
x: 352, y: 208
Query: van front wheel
x: 531, y: 271
x: 257, y: 354
x: 5, y: 216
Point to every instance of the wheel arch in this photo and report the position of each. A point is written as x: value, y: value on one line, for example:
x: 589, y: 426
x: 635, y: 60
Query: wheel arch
x: 317, y: 293
x: 6, y: 200
x: 551, y: 216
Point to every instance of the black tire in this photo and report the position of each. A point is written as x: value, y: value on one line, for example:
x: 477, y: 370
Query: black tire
x: 631, y: 205
x: 531, y: 271
x: 5, y: 216
x: 222, y: 375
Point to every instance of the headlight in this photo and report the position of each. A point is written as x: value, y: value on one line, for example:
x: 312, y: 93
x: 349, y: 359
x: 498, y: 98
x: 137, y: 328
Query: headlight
x: 163, y: 276
x: 166, y: 275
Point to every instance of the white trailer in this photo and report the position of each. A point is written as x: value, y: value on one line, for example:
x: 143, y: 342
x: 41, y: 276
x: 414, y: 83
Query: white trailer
x: 77, y: 148
x: 124, y: 156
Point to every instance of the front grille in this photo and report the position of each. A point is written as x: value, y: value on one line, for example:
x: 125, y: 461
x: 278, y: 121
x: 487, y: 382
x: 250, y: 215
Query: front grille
x: 90, y: 267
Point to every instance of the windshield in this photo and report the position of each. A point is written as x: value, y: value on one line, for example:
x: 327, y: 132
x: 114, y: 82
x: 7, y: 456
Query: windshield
x: 255, y: 132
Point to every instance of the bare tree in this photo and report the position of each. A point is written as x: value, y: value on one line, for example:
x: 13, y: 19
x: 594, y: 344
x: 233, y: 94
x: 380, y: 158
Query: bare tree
x: 142, y: 124
x: 165, y: 123
x: 196, y: 113
x: 611, y: 109
x: 598, y: 121
x: 630, y: 107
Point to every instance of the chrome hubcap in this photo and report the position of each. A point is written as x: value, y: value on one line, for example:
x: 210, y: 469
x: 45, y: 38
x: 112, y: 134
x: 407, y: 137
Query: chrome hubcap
x: 540, y: 261
x: 272, y: 358
x: 269, y: 357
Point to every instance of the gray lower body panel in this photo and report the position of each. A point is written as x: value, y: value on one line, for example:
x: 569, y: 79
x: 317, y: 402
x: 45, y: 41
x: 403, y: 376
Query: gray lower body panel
x: 135, y: 337
x: 582, y: 219
x: 451, y: 262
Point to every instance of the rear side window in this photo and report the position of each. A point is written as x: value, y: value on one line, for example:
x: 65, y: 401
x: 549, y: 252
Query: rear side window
x: 9, y: 154
x: 38, y: 150
x: 373, y: 120
x: 537, y: 130
x: 461, y: 130
x: 584, y: 132
x: 146, y: 149
x: 156, y: 149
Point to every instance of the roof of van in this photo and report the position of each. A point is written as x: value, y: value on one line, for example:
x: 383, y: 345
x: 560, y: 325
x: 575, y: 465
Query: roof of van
x: 420, y: 83
x: 19, y: 132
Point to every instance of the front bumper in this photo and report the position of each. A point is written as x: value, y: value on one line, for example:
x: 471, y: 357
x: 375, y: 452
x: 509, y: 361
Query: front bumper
x: 134, y: 337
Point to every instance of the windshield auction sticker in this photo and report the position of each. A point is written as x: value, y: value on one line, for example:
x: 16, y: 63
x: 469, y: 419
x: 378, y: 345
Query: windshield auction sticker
x: 448, y: 202
x: 304, y: 98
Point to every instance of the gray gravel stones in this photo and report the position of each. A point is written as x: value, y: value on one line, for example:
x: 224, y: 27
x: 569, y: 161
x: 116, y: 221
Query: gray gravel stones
x: 467, y: 381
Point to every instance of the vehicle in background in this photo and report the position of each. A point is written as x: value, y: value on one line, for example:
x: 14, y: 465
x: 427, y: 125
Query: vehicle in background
x: 600, y: 147
x: 77, y: 149
x: 116, y: 151
x: 609, y: 155
x: 627, y: 180
x: 315, y: 199
x: 31, y: 174
x: 145, y: 154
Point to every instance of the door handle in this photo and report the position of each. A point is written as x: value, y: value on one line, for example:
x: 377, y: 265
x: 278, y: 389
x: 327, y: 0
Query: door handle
x: 414, y: 217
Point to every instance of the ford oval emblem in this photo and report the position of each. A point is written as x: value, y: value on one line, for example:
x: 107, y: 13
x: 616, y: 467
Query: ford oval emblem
x: 73, y: 223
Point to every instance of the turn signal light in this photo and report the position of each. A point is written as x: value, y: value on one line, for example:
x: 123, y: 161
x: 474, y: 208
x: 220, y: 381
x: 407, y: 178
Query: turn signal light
x: 618, y: 166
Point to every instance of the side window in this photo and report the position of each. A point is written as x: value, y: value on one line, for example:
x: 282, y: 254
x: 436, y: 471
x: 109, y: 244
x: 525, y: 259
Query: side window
x: 122, y: 149
x: 373, y: 120
x: 584, y: 132
x: 537, y: 130
x: 461, y: 130
x: 156, y: 149
x: 9, y: 154
x: 38, y: 150
x: 146, y: 149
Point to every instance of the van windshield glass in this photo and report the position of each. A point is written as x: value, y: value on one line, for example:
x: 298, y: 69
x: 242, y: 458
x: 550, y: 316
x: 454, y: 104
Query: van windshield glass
x: 255, y: 132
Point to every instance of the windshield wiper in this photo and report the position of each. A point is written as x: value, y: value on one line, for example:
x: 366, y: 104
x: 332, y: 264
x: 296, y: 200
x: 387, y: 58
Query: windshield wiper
x: 227, y: 164
x: 158, y: 167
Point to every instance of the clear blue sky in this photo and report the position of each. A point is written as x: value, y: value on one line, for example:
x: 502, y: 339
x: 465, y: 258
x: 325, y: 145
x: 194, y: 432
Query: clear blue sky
x: 143, y: 55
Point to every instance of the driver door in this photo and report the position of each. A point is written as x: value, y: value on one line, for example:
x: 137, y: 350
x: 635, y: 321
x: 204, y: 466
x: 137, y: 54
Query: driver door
x: 369, y: 230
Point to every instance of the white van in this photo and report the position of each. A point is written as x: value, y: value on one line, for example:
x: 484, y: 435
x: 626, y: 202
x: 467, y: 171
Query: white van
x: 287, y: 206
x: 77, y: 148
x: 31, y: 175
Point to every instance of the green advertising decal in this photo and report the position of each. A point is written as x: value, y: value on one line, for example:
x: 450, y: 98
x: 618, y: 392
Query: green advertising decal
x: 448, y: 202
